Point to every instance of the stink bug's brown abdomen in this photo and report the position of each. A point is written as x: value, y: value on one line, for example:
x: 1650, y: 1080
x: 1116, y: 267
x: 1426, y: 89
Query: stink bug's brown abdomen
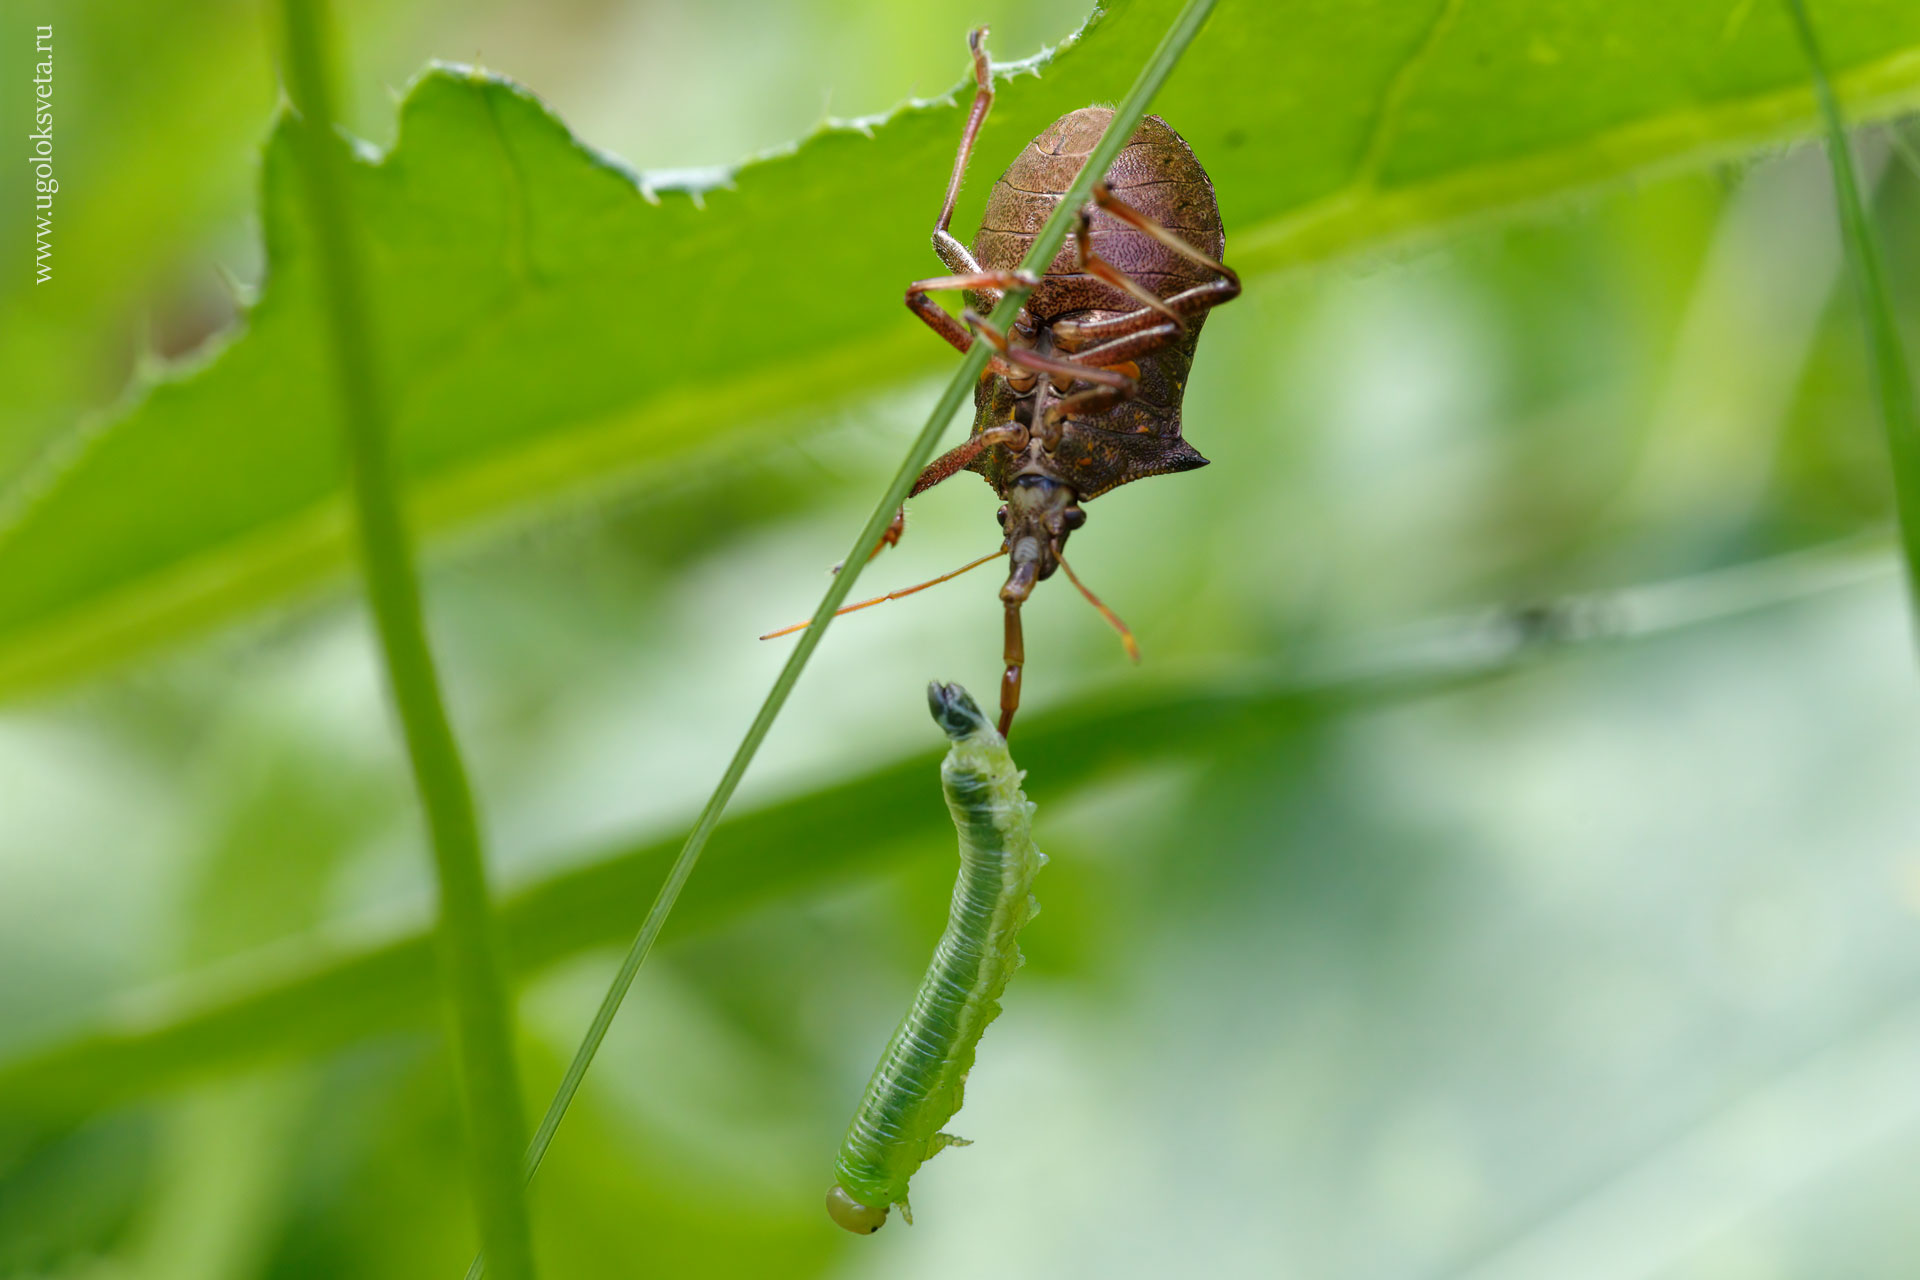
x: 1156, y: 173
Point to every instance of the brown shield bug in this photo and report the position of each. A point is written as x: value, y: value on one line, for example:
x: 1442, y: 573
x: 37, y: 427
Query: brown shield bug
x: 1083, y: 392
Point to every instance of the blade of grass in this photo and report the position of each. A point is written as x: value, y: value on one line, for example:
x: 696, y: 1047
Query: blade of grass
x: 1045, y: 245
x: 1892, y: 379
x: 473, y: 977
x: 303, y: 999
x: 1904, y: 147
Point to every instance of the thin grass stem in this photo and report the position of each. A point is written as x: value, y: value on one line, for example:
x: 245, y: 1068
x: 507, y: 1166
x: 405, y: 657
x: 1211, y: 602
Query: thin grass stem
x: 1046, y: 244
x: 1892, y: 378
x: 471, y: 971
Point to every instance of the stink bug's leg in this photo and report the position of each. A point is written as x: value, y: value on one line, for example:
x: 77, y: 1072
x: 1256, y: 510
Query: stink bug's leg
x: 1123, y: 351
x: 1205, y: 297
x: 1015, y: 654
x: 951, y: 251
x: 950, y: 463
x: 891, y: 538
x: 1100, y: 269
x: 989, y: 282
x: 1113, y: 204
x: 956, y: 459
x: 1113, y: 619
x: 1012, y: 357
x: 1071, y: 334
x: 1186, y: 303
x: 1117, y: 353
x: 984, y: 285
x: 1079, y: 404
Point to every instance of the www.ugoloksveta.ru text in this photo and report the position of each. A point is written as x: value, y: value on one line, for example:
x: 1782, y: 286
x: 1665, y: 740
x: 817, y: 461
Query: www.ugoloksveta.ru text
x: 40, y: 155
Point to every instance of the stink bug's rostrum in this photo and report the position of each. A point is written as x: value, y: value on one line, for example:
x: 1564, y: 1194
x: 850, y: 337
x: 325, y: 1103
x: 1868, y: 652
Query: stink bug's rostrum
x: 1083, y: 391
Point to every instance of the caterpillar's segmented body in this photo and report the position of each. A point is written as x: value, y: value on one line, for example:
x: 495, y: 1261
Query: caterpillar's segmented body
x: 917, y: 1086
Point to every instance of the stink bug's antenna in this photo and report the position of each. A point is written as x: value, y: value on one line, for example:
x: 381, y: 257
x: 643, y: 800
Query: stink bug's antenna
x: 1126, y: 636
x: 904, y: 591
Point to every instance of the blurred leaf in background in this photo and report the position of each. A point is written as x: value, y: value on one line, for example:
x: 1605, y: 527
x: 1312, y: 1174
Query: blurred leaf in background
x: 1606, y: 967
x: 528, y: 286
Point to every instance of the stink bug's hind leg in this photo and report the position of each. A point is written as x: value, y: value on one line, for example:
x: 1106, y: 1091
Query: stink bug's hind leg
x: 1156, y: 312
x: 1117, y: 343
x: 1100, y: 269
x: 983, y: 288
x: 1197, y: 299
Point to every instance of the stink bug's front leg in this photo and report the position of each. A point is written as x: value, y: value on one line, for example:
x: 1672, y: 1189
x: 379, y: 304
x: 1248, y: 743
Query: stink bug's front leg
x: 983, y: 286
x: 1113, y: 204
x: 952, y: 463
x: 958, y: 458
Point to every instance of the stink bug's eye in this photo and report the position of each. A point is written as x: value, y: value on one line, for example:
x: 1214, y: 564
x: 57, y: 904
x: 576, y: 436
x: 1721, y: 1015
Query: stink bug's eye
x: 1001, y: 516
x: 1073, y: 518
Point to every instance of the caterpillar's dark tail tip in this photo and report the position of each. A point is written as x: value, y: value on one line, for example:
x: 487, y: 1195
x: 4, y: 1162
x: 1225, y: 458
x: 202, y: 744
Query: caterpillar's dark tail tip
x: 954, y: 710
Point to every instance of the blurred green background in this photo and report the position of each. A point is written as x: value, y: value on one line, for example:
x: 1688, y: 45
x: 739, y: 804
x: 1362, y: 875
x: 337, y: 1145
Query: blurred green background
x: 1504, y: 864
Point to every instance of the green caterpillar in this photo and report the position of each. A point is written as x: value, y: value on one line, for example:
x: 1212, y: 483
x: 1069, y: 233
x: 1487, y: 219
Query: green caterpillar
x: 917, y: 1086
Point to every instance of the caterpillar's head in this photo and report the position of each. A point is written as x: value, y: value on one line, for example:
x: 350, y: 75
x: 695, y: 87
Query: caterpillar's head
x: 861, y: 1219
x: 955, y: 711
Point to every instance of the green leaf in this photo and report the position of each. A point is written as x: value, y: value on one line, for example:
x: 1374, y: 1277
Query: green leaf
x: 555, y: 322
x: 306, y: 1003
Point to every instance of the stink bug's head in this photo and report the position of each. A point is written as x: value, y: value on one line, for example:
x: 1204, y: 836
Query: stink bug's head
x: 1039, y: 514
